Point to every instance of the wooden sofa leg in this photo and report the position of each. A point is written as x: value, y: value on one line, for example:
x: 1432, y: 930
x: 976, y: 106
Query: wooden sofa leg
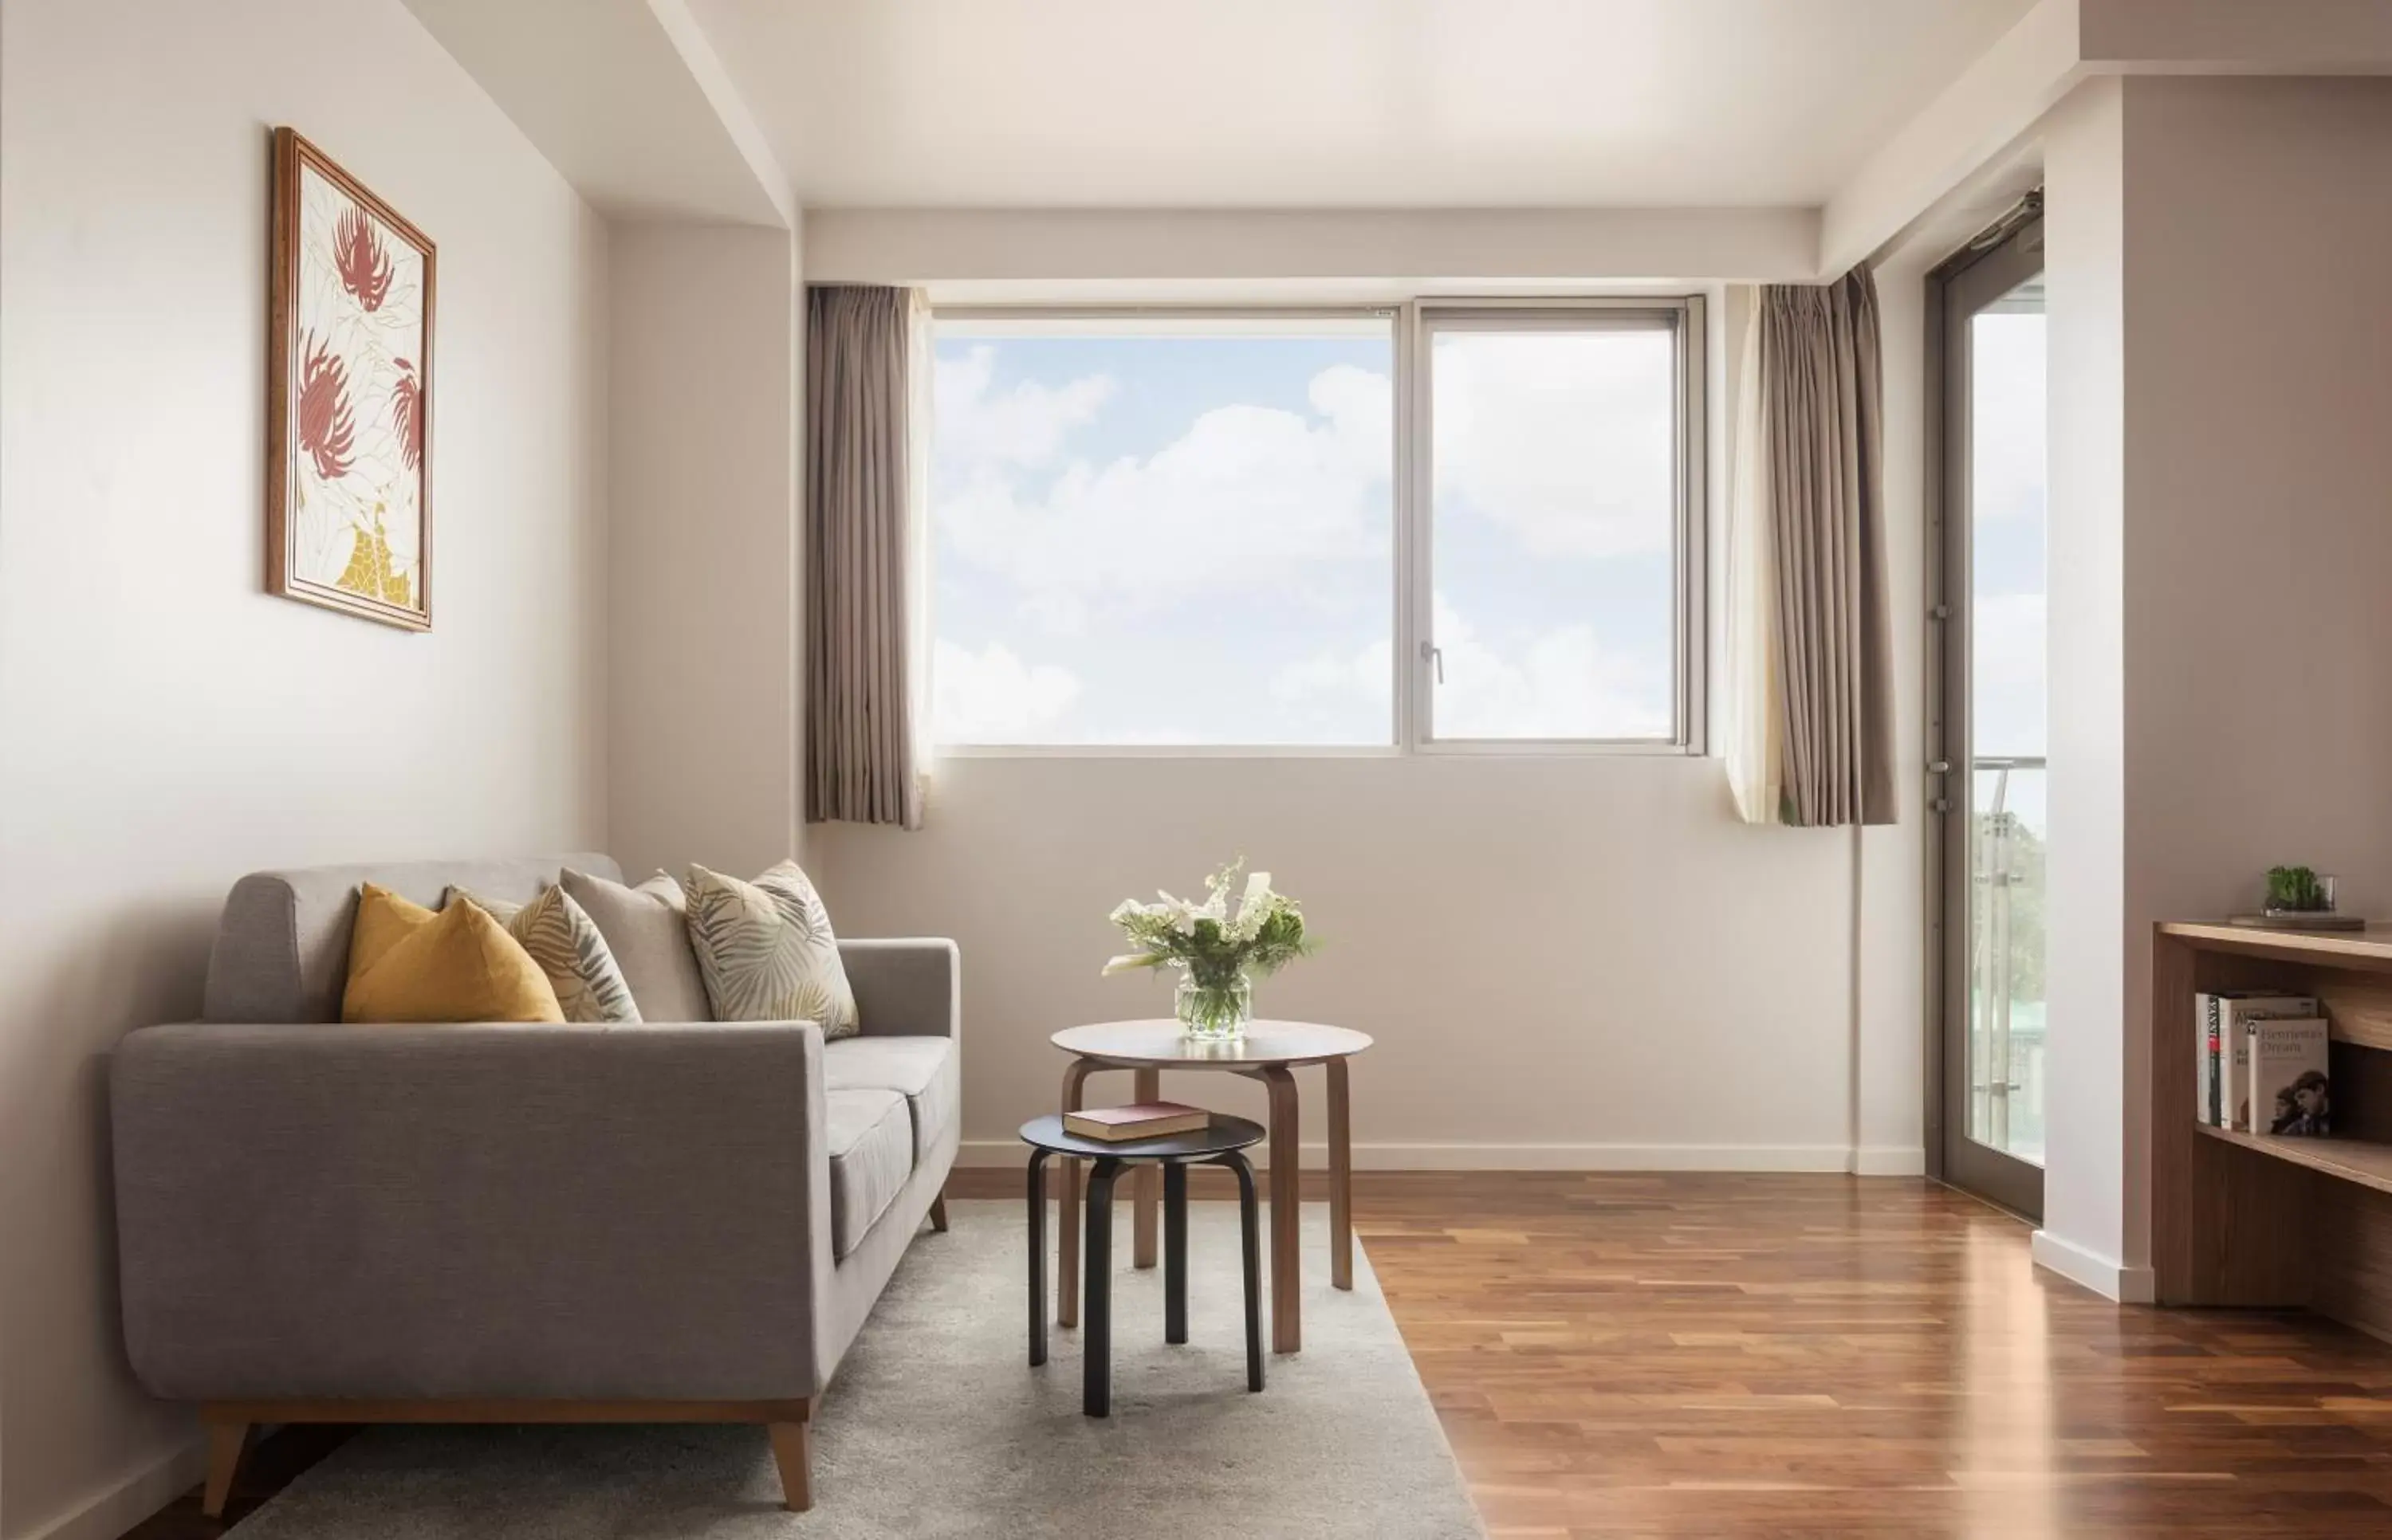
x: 793, y: 1452
x: 227, y: 1443
x: 939, y: 1214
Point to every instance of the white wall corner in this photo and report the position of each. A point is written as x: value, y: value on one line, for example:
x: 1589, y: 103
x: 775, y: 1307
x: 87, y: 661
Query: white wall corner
x: 2104, y: 1275
x: 1890, y: 1160
x: 704, y: 67
x: 118, y: 1507
x: 1994, y: 101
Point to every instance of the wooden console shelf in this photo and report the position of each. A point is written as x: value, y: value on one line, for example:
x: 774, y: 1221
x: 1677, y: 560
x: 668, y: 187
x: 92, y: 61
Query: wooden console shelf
x: 2245, y: 1219
x: 2360, y: 1160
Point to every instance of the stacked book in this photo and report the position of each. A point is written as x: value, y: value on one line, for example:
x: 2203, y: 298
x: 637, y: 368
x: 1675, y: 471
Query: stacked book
x: 1144, y: 1120
x: 2261, y: 1062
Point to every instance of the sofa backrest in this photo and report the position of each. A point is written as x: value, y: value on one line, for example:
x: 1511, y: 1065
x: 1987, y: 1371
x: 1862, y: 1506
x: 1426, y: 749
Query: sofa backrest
x: 282, y: 952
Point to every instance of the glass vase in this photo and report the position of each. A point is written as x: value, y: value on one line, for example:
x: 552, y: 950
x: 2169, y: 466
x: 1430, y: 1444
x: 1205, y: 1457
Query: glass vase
x: 1217, y: 1013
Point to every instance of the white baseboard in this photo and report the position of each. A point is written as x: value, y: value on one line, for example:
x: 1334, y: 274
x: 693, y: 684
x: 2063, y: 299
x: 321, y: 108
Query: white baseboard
x: 116, y: 1509
x: 1890, y: 1160
x: 1874, y: 1160
x: 2104, y: 1275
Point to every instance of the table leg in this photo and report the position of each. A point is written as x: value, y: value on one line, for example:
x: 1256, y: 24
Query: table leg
x: 1067, y: 1208
x: 1175, y: 1250
x: 1286, y: 1205
x: 1250, y: 1252
x: 1146, y: 1181
x: 1037, y: 1257
x: 1341, y: 1180
x: 1097, y: 1341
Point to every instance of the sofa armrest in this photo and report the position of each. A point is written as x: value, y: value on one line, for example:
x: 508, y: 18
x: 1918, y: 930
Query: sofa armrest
x: 910, y: 988
x: 539, y: 1212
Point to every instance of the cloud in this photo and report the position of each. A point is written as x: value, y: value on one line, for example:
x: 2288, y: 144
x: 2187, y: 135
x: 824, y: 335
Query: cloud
x: 1248, y: 496
x: 1025, y: 425
x: 991, y: 696
x: 2006, y: 655
x: 1366, y: 671
x: 2007, y: 422
x: 1557, y: 683
x: 1568, y: 440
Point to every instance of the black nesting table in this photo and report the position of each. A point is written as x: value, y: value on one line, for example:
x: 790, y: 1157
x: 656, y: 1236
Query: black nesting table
x: 1214, y: 1145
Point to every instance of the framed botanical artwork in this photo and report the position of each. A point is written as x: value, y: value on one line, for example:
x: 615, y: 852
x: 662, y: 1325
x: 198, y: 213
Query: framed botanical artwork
x: 348, y: 441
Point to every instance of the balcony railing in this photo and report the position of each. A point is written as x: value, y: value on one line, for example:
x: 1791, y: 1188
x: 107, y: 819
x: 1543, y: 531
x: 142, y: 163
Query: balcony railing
x: 2006, y: 957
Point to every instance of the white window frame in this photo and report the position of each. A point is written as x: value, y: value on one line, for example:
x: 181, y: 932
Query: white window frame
x: 1681, y: 316
x: 1412, y: 473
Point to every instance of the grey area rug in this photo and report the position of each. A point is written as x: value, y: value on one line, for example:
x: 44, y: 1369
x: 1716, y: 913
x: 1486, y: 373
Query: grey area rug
x: 937, y: 1426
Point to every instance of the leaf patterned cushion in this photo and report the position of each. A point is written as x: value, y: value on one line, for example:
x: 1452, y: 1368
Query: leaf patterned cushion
x: 564, y: 941
x: 766, y: 950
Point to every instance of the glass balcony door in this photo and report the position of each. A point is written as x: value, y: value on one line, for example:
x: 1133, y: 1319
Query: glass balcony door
x: 1988, y: 780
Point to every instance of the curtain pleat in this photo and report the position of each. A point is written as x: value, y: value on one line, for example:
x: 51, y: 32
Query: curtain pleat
x: 862, y: 764
x: 1822, y: 448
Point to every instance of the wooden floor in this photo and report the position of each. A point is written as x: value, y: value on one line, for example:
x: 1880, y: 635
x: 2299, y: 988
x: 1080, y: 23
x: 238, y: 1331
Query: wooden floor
x: 1801, y: 1355
x: 1778, y: 1356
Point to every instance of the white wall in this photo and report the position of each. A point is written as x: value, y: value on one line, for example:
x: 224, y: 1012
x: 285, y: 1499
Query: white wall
x: 1888, y: 928
x: 2258, y: 476
x: 2222, y: 375
x: 1150, y: 247
x: 2089, y: 940
x: 1567, y: 962
x: 164, y: 725
x: 1573, y: 963
x: 705, y: 647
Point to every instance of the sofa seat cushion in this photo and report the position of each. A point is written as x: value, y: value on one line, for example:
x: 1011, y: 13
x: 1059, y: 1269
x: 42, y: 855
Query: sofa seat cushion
x: 925, y: 1071
x: 871, y: 1140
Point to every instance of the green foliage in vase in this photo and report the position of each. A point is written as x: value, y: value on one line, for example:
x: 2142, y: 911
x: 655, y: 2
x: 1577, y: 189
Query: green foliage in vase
x: 1214, y: 942
x: 2294, y: 888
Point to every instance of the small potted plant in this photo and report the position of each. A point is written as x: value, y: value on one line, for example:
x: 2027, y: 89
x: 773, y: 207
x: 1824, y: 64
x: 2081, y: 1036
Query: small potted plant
x: 1219, y: 947
x: 2298, y: 890
x: 2299, y: 899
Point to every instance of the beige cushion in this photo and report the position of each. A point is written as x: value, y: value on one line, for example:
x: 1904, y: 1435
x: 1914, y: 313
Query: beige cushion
x: 925, y: 1071
x: 646, y: 931
x: 566, y: 942
x: 766, y: 951
x: 871, y: 1139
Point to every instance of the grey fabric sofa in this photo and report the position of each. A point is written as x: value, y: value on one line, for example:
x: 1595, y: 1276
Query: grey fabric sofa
x: 669, y: 1221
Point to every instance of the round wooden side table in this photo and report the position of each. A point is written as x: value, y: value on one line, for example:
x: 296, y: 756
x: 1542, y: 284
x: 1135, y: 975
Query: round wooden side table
x: 1217, y: 1145
x: 1269, y: 1052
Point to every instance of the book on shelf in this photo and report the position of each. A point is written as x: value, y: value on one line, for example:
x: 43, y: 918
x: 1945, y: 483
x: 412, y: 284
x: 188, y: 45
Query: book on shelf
x: 1142, y: 1121
x: 2222, y: 1049
x: 2291, y: 1094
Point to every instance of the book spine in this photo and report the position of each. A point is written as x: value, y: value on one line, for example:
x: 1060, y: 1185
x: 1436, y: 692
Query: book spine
x: 2213, y: 1024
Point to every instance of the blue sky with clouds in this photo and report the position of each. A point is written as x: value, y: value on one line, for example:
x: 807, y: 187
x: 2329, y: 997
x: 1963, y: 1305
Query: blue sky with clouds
x: 1189, y: 538
x: 2007, y: 429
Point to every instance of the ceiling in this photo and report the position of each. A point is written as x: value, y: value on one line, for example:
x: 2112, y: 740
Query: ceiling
x: 1336, y: 103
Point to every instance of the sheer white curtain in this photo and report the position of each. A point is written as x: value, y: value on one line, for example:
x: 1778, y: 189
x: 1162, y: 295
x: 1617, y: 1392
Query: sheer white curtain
x: 1754, y: 747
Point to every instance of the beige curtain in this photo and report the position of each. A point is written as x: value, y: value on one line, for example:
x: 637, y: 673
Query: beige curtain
x: 864, y: 763
x: 1817, y: 478
x: 1754, y: 744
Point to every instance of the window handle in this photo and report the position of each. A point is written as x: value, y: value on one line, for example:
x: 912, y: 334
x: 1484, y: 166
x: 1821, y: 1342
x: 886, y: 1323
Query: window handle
x: 1434, y: 656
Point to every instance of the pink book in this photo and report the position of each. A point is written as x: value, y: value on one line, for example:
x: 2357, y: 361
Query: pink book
x: 1144, y: 1120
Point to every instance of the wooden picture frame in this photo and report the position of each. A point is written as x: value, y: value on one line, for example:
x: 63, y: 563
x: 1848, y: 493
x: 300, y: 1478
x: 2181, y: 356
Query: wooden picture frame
x: 349, y: 380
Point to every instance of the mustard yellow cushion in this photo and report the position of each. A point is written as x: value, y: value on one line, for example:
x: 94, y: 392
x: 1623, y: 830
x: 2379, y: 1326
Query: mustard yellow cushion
x: 407, y: 963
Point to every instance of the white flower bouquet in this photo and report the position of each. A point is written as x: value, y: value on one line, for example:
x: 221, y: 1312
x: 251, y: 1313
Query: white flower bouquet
x: 1219, y: 946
